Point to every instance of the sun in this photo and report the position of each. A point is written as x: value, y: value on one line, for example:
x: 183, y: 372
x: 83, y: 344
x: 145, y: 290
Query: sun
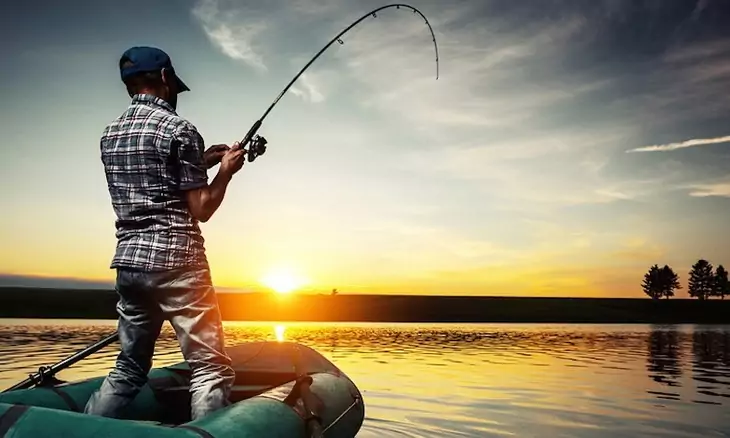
x: 283, y: 280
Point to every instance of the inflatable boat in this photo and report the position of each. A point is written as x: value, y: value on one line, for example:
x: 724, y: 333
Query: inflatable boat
x: 282, y: 390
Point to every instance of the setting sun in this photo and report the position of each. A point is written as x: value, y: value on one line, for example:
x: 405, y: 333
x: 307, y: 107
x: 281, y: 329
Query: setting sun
x: 283, y: 280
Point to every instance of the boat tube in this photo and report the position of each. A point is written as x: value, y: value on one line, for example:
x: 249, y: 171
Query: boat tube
x: 282, y: 390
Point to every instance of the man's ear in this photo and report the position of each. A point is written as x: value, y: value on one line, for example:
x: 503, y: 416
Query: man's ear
x: 165, y: 74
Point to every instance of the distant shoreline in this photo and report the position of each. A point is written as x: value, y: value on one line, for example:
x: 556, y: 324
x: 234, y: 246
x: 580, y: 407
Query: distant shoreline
x: 27, y: 302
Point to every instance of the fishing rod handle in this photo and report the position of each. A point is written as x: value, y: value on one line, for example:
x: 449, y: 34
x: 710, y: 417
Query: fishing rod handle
x: 256, y: 144
x: 251, y: 132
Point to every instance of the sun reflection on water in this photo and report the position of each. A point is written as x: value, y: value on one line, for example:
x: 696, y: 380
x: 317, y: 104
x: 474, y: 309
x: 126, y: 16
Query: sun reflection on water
x: 279, y: 330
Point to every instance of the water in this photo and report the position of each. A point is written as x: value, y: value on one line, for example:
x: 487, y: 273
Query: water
x: 476, y: 380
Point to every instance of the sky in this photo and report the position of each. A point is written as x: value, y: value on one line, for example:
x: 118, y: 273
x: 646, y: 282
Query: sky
x: 565, y: 147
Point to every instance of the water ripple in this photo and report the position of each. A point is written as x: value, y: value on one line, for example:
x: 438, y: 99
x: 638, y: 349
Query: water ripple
x: 478, y: 380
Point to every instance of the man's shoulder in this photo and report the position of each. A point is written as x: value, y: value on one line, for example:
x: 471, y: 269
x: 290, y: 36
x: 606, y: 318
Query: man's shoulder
x: 172, y: 123
x: 140, y: 119
x: 182, y: 126
x: 162, y: 118
x: 183, y: 131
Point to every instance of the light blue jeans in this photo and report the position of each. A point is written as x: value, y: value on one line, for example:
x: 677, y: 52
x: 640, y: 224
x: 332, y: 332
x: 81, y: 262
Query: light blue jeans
x: 187, y: 299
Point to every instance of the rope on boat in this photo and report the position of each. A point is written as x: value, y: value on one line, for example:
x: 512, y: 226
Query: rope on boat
x: 342, y: 415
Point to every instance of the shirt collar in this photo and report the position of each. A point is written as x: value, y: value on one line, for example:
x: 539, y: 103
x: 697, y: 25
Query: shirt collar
x: 150, y: 99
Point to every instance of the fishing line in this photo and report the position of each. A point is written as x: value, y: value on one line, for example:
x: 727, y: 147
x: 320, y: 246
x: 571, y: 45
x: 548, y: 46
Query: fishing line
x: 257, y: 145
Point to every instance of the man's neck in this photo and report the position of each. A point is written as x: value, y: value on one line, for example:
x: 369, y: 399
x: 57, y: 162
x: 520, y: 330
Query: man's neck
x: 152, y: 99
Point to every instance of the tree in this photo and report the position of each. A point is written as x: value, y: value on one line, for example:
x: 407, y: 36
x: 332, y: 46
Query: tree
x: 669, y: 281
x: 722, y: 285
x: 701, y: 280
x: 660, y: 282
x: 652, y: 283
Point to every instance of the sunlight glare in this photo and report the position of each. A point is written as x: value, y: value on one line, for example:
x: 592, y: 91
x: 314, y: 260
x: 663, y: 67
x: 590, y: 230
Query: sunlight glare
x: 283, y: 281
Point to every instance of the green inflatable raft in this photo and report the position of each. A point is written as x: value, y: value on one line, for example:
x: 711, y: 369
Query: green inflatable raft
x: 282, y: 390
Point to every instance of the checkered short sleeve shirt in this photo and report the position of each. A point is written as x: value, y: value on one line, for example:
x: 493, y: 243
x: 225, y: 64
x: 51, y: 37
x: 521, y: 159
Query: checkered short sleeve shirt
x: 151, y: 156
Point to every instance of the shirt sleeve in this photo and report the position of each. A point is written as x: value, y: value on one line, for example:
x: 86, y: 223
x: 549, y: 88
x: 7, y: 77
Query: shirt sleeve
x: 193, y: 172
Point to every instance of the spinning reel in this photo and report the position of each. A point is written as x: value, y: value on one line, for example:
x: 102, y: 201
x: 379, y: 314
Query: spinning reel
x: 257, y: 146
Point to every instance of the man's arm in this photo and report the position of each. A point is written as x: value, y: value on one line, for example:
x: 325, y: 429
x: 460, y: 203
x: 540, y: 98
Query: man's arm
x: 213, y: 154
x: 203, y: 199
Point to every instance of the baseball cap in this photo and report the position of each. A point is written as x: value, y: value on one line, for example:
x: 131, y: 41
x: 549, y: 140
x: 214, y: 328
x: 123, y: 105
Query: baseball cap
x: 145, y: 59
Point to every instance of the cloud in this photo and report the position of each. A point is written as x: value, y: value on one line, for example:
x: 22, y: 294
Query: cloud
x: 719, y: 189
x: 697, y: 54
x: 638, y: 249
x: 233, y: 37
x: 307, y: 89
x: 686, y: 84
x: 681, y: 145
x: 480, y: 86
x: 537, y: 168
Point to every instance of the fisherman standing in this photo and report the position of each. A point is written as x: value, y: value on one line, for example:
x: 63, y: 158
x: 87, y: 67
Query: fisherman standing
x: 155, y: 167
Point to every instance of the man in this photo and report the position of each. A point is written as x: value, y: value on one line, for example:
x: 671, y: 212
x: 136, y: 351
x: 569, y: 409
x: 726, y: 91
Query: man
x: 155, y: 168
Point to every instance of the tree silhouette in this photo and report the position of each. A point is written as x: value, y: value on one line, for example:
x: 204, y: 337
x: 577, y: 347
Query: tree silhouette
x: 701, y: 280
x: 652, y: 283
x: 722, y: 285
x: 660, y: 282
x: 669, y: 281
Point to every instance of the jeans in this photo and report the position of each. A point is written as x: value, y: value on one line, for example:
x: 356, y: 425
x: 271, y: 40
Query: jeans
x: 187, y: 299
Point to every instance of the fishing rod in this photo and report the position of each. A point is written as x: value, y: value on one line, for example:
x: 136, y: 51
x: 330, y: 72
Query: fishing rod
x: 257, y: 144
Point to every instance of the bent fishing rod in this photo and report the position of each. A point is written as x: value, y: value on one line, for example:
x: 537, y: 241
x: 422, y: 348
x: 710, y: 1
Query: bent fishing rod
x: 257, y: 145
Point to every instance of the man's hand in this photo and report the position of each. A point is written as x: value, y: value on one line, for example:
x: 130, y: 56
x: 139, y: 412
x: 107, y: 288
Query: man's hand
x: 214, y: 154
x: 204, y: 201
x: 232, y: 160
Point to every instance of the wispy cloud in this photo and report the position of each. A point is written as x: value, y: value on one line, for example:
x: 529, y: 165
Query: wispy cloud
x: 479, y: 87
x: 307, y: 89
x: 719, y: 189
x: 540, y: 167
x: 681, y: 145
x: 233, y: 37
x: 695, y: 54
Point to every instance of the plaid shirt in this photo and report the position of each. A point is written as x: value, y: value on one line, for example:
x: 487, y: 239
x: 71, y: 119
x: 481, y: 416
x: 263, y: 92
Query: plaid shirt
x: 151, y: 155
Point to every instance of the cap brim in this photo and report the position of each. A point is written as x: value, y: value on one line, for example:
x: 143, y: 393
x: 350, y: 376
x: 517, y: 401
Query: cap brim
x: 181, y: 85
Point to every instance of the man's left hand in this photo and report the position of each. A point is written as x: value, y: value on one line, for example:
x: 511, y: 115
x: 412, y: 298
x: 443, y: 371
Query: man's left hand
x: 213, y: 155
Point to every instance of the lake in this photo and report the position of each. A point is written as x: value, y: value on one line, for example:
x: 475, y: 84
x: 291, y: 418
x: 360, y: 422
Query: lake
x: 472, y: 380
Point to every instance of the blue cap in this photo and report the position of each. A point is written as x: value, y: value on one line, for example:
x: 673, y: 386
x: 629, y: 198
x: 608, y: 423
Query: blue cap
x: 146, y: 59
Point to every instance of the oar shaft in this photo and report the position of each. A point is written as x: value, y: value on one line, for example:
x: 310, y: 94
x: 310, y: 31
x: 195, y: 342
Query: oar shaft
x: 83, y: 354
x: 65, y: 363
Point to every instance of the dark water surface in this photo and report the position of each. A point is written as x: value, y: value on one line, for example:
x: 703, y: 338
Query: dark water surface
x: 476, y: 380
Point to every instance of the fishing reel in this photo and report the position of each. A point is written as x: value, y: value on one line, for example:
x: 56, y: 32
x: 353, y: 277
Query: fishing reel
x: 256, y: 147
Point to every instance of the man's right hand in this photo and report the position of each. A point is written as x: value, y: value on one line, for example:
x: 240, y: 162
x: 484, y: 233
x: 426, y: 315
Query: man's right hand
x: 233, y: 160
